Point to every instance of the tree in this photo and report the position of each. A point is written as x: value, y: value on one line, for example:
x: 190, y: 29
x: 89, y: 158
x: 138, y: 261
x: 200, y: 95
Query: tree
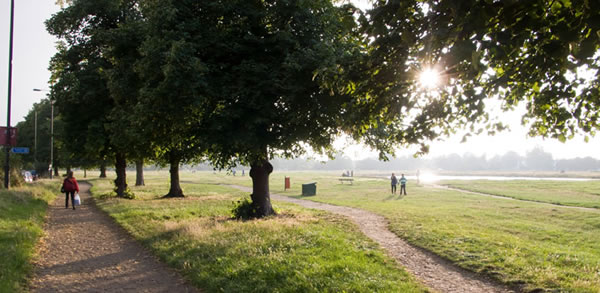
x: 93, y: 71
x: 259, y: 77
x: 534, y: 52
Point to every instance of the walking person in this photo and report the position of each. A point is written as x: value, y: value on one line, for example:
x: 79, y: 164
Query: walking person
x: 69, y: 187
x: 403, y: 184
x: 394, y: 183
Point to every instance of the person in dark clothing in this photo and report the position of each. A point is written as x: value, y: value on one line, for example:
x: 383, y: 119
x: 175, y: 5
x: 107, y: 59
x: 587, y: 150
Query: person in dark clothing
x: 70, y: 186
x: 394, y: 183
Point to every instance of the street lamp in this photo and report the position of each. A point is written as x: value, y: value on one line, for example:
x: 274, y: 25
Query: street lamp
x: 51, y: 131
x: 10, y: 57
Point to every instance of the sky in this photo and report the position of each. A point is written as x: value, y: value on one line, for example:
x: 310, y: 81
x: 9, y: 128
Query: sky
x: 33, y: 47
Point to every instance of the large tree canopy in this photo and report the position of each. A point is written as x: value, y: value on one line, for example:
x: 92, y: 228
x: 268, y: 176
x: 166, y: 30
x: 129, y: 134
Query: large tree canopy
x: 536, y: 52
x: 241, y: 81
x: 250, y: 78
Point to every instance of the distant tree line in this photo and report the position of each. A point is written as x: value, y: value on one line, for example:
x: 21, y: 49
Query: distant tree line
x: 534, y: 160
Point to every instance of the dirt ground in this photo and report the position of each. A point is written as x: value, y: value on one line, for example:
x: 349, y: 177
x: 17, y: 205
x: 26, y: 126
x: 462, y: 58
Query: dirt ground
x: 434, y: 272
x: 85, y: 251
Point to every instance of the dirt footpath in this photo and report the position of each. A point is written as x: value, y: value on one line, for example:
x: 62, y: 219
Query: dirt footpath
x: 85, y: 251
x: 433, y: 271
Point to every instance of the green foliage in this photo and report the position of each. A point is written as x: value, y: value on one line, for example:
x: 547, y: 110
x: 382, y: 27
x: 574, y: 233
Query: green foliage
x: 244, y: 209
x: 22, y: 213
x: 532, y: 52
x: 127, y: 194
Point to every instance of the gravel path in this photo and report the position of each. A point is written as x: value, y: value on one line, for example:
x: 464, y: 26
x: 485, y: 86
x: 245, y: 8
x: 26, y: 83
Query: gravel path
x: 85, y: 251
x: 433, y: 271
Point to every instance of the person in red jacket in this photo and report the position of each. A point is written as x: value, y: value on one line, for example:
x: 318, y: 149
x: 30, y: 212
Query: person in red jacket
x: 70, y: 186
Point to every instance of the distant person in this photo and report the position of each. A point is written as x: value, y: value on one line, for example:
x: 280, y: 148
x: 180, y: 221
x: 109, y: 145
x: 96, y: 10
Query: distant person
x: 394, y: 183
x: 70, y: 186
x: 403, y: 184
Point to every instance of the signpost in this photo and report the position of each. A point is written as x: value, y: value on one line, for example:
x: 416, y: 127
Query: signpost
x: 20, y: 150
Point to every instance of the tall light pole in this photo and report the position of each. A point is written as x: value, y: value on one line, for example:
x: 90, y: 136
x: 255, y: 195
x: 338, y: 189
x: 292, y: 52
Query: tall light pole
x: 51, y: 131
x: 10, y: 56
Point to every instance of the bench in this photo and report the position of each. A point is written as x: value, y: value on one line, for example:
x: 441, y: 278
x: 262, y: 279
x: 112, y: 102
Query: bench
x: 346, y: 179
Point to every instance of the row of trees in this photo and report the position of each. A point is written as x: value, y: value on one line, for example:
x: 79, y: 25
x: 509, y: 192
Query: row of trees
x: 534, y: 160
x: 242, y: 81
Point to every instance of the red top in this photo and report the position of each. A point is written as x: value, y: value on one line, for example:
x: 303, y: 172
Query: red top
x: 70, y: 184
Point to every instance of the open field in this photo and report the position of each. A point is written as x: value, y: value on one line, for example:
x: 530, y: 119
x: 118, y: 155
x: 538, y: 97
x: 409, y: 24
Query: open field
x: 22, y: 212
x: 298, y: 251
x: 518, y: 242
x: 570, y: 193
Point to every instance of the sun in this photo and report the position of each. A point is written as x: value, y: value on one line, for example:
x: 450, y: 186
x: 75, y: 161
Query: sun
x: 429, y: 78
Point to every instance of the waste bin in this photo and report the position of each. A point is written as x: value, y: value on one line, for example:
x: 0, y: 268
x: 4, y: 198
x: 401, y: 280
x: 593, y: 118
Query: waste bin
x: 309, y: 189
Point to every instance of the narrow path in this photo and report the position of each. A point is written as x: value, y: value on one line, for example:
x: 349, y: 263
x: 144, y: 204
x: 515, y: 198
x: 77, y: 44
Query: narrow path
x: 511, y: 198
x: 85, y: 251
x: 433, y: 271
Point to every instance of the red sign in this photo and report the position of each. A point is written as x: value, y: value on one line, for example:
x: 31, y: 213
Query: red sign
x: 13, y: 136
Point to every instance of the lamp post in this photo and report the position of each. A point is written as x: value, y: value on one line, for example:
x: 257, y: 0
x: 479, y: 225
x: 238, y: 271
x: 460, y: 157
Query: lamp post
x: 51, y: 131
x: 10, y: 55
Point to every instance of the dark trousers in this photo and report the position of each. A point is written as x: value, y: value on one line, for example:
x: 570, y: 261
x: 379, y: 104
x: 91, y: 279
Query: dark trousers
x: 393, y: 188
x: 72, y: 193
x: 402, y: 188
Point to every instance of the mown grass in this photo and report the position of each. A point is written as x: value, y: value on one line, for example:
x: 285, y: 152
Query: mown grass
x: 521, y: 243
x: 298, y: 251
x: 569, y: 193
x: 22, y: 213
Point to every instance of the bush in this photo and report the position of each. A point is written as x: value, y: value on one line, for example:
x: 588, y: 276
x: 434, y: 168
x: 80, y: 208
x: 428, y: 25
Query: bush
x: 243, y: 209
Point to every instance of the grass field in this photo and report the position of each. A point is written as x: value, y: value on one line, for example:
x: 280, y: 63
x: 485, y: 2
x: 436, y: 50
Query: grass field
x: 569, y: 193
x: 539, y: 247
x: 22, y: 212
x: 517, y: 242
x: 298, y: 251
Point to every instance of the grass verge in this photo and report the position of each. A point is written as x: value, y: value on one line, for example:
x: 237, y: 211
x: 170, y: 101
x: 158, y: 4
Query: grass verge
x: 22, y: 213
x: 297, y: 251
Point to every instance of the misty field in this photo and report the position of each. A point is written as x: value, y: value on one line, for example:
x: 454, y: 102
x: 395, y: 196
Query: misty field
x: 522, y: 243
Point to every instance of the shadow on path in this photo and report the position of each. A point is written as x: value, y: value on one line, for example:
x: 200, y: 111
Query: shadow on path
x: 85, y: 251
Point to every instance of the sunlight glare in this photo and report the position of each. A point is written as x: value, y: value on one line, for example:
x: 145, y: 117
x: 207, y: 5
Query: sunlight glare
x: 428, y: 177
x: 429, y: 78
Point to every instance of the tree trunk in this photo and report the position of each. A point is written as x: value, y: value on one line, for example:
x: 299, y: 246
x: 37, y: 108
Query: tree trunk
x: 261, y: 199
x: 139, y: 173
x: 103, y: 170
x: 175, y: 190
x: 56, y: 171
x: 84, y: 173
x: 120, y: 168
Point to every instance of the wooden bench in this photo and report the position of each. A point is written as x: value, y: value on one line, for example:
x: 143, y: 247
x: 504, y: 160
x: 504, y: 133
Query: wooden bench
x: 346, y: 179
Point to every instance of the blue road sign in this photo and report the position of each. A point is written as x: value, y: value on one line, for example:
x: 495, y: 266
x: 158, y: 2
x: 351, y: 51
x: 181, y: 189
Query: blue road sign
x: 20, y: 150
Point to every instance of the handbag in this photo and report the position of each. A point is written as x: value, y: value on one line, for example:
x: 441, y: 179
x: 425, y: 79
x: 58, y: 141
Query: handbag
x: 77, y: 199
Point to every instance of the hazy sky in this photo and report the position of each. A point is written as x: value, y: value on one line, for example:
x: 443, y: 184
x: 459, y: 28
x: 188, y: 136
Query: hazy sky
x: 33, y: 47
